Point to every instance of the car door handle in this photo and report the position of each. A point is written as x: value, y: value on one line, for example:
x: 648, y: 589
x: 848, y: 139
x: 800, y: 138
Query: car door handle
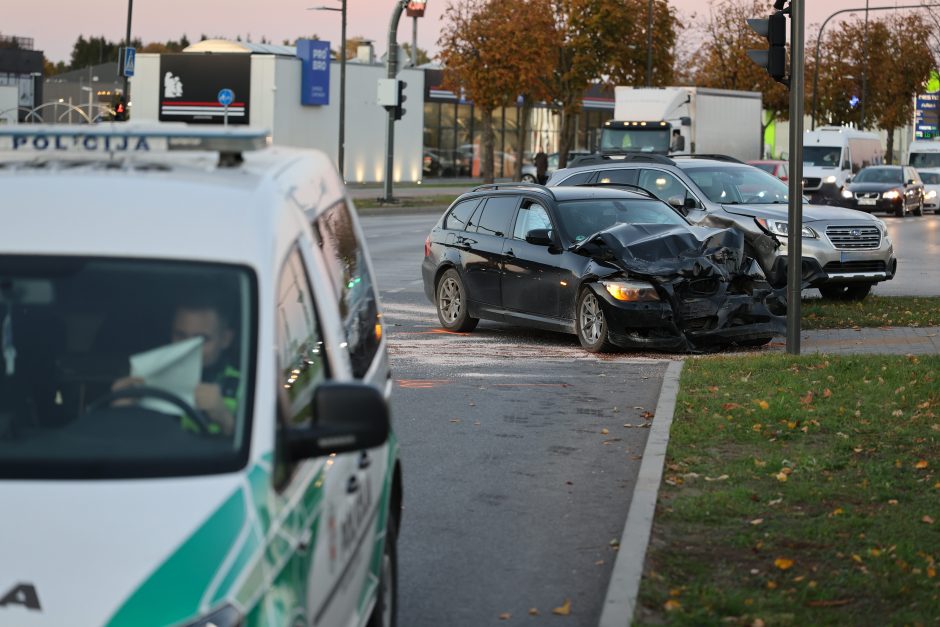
x: 352, y: 486
x: 364, y: 460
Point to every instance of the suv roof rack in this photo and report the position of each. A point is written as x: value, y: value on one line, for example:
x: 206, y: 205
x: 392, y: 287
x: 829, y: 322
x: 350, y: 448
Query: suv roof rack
x: 534, y: 187
x: 125, y: 138
x: 713, y: 157
x: 615, y: 157
x: 632, y: 187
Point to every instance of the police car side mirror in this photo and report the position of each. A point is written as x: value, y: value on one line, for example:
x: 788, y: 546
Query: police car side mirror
x: 347, y: 417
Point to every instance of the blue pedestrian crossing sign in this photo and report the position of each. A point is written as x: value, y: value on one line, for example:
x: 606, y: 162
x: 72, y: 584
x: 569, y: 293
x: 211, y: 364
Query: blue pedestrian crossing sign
x: 226, y: 97
x: 130, y: 56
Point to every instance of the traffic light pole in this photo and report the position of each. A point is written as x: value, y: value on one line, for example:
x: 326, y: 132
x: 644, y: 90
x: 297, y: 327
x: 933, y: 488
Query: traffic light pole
x: 391, y: 65
x: 127, y: 44
x: 795, y: 222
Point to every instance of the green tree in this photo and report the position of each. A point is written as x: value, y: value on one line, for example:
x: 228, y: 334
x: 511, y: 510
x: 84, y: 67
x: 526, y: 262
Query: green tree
x: 495, y: 51
x: 605, y: 40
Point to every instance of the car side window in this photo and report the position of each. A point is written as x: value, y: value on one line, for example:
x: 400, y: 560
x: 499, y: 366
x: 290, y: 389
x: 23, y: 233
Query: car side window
x: 628, y: 176
x: 579, y: 179
x: 531, y: 216
x: 497, y: 214
x: 352, y: 283
x: 459, y: 216
x: 664, y: 185
x: 301, y: 358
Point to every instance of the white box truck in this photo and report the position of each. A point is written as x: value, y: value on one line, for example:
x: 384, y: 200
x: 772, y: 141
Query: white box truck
x: 708, y: 121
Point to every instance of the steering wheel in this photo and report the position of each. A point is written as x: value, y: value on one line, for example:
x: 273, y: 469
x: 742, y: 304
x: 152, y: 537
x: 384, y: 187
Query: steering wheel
x: 144, y: 391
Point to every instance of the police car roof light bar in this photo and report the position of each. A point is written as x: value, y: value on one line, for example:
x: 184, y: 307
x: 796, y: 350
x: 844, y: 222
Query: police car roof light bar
x: 125, y: 138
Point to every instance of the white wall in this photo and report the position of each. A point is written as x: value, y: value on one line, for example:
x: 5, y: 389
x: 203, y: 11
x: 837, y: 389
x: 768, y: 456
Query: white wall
x: 275, y: 106
x: 9, y: 101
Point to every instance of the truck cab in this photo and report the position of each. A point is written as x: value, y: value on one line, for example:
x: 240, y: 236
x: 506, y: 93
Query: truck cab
x: 831, y: 156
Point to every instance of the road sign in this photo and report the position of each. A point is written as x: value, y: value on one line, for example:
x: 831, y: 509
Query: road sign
x: 130, y: 56
x: 226, y: 97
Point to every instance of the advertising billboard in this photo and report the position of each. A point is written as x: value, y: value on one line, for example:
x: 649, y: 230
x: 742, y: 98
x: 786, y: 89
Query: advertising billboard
x: 190, y: 84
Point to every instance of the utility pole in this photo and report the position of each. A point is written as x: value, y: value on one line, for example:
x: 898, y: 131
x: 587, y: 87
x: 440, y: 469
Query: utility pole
x: 795, y: 222
x: 127, y: 44
x: 861, y: 124
x: 391, y: 66
x: 341, y: 149
x: 649, y: 46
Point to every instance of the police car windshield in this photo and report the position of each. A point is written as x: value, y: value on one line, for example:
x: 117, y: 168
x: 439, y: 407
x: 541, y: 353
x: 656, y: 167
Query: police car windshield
x: 115, y: 368
x: 735, y: 185
x: 581, y: 218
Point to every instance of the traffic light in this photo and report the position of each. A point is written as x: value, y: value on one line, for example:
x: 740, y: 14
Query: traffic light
x: 399, y: 110
x: 120, y: 110
x: 774, y: 59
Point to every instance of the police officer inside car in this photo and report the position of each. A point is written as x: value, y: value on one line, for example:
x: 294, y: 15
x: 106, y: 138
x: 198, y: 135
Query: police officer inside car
x: 218, y: 394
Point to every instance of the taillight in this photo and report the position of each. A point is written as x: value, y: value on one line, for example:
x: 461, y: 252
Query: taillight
x: 427, y: 246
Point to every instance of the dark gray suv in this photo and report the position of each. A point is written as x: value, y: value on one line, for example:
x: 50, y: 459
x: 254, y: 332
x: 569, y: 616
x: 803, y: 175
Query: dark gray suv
x: 845, y: 252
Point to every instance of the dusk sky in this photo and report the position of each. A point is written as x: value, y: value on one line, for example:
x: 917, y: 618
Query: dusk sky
x: 55, y: 25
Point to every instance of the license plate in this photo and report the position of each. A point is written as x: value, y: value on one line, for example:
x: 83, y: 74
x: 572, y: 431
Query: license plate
x: 868, y: 201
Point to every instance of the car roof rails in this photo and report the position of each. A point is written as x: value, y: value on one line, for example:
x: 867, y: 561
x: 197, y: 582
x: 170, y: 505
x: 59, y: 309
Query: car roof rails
x: 713, y: 157
x: 123, y: 139
x: 620, y: 157
x: 533, y: 187
x: 632, y: 187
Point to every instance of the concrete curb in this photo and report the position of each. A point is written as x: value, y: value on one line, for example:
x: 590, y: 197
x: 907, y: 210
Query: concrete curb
x: 620, y: 602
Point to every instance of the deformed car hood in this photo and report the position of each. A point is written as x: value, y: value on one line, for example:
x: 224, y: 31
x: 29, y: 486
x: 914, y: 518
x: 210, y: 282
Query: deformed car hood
x: 715, y: 291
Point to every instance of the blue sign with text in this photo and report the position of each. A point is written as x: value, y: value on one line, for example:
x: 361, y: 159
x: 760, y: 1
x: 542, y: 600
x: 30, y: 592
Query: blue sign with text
x: 315, y: 73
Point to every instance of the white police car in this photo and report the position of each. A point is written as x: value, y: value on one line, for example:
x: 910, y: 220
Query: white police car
x: 193, y: 385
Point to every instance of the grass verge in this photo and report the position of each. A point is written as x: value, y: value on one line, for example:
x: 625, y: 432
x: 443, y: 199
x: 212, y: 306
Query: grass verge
x: 799, y: 490
x: 874, y: 311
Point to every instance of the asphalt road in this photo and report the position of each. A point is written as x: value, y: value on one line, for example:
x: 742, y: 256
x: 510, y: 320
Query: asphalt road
x: 518, y: 467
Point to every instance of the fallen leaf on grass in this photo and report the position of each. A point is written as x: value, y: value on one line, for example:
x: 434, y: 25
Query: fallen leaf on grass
x: 892, y: 501
x: 921, y: 464
x: 730, y: 406
x: 808, y: 399
x: 783, y: 563
x: 564, y: 610
x: 721, y: 478
x: 672, y: 605
x: 771, y: 585
x: 758, y: 623
x: 757, y: 521
x: 836, y: 512
x: 827, y: 393
x: 927, y: 519
x: 781, y: 476
x: 763, y: 404
x: 828, y: 602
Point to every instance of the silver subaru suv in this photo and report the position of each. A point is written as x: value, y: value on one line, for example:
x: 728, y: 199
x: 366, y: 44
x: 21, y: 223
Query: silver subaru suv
x: 845, y: 252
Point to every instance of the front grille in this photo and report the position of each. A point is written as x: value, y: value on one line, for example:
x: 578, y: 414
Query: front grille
x: 811, y: 183
x: 854, y: 237
x: 874, y: 195
x: 855, y: 266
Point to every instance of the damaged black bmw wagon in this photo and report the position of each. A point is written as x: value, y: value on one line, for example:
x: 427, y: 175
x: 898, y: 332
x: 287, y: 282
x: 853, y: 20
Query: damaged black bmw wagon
x: 619, y: 268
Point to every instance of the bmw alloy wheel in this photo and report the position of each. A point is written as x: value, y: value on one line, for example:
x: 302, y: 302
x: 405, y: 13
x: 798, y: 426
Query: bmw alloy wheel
x: 448, y: 300
x: 591, y: 319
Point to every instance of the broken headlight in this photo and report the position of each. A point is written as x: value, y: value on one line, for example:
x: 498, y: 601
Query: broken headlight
x: 631, y: 291
x: 780, y: 228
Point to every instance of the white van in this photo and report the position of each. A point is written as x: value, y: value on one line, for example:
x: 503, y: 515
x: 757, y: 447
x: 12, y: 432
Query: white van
x: 924, y: 154
x: 193, y: 385
x: 831, y: 155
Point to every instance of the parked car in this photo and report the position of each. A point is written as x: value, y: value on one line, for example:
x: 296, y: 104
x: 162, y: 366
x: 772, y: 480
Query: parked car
x: 931, y: 180
x: 895, y: 189
x: 617, y: 268
x: 529, y: 171
x: 845, y: 252
x: 780, y: 169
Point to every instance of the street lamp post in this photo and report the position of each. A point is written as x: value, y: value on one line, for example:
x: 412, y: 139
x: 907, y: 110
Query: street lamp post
x: 341, y: 151
x: 649, y: 46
